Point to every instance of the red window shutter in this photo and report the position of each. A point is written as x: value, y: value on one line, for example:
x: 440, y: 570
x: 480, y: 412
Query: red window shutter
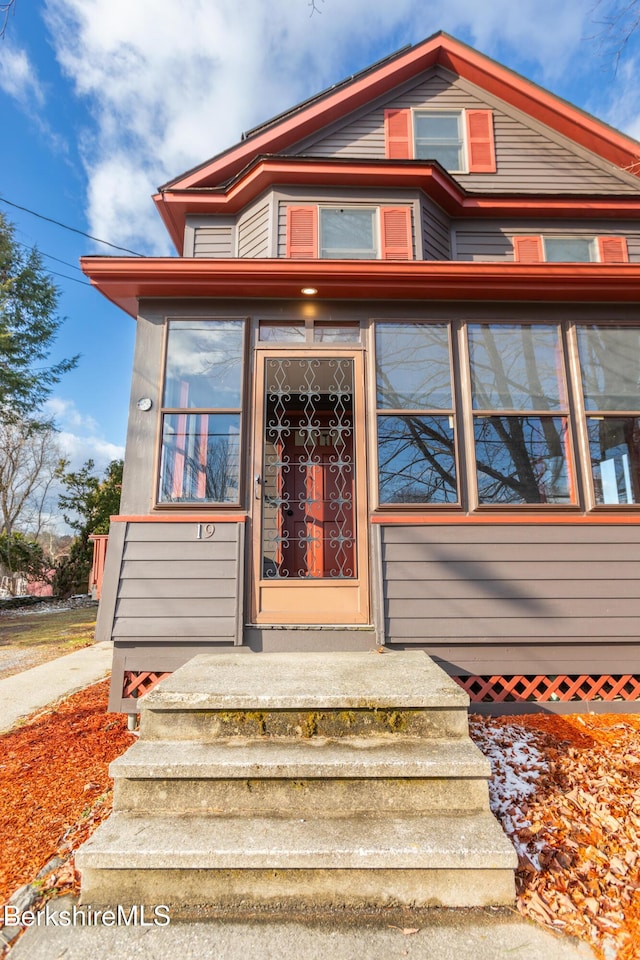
x: 395, y: 233
x: 613, y: 250
x: 302, y: 233
x: 528, y: 250
x: 397, y: 135
x: 480, y: 142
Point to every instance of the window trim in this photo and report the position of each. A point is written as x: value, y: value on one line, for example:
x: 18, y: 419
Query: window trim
x: 478, y: 136
x: 165, y: 410
x: 610, y: 249
x: 394, y: 228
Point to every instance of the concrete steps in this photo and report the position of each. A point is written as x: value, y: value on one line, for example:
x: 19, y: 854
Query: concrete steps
x: 301, y: 781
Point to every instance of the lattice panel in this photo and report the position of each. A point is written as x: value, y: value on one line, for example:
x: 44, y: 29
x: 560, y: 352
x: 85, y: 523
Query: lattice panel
x: 499, y: 689
x: 137, y: 683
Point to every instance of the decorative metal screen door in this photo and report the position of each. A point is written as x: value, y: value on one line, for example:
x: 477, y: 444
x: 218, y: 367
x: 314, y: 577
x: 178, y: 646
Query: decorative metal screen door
x: 310, y: 529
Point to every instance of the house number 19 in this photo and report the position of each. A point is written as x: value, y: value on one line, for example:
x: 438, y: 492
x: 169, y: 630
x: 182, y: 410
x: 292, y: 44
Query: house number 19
x: 205, y: 531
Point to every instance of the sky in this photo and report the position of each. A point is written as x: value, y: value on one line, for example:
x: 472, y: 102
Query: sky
x: 101, y: 101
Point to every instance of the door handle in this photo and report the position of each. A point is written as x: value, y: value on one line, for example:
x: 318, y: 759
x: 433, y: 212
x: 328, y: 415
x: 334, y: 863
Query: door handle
x: 257, y: 486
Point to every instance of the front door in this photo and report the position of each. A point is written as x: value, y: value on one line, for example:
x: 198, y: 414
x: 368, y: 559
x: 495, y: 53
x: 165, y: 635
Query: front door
x: 310, y: 551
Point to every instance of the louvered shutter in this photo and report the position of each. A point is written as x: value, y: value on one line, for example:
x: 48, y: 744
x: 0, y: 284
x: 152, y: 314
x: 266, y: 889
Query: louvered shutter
x: 480, y: 143
x: 302, y: 233
x: 528, y: 250
x: 397, y: 135
x: 395, y: 233
x: 613, y: 250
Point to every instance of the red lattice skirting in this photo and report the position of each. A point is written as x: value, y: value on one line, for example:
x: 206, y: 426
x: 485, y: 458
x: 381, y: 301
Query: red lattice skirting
x: 136, y: 683
x: 544, y: 689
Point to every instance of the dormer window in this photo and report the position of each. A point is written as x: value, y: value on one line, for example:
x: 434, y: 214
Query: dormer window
x: 570, y: 249
x: 349, y: 232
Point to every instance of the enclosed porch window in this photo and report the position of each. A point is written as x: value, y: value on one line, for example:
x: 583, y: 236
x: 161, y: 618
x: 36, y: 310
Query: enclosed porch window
x: 202, y: 409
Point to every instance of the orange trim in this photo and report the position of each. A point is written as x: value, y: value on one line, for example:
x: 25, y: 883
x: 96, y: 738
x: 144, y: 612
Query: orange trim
x: 185, y: 518
x: 461, y: 59
x: 124, y: 280
x: 613, y: 250
x: 528, y: 250
x: 302, y: 232
x: 264, y: 172
x: 480, y: 143
x: 440, y: 519
x: 398, y: 141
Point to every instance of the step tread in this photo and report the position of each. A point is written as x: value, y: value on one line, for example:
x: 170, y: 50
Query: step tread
x: 460, y: 841
x: 301, y: 681
x: 240, y: 758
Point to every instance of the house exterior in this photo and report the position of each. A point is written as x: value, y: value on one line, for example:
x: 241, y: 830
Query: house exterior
x: 387, y: 394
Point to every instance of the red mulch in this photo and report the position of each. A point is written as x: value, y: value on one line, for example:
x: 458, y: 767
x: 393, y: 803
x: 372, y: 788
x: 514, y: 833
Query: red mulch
x: 567, y: 790
x: 53, y: 776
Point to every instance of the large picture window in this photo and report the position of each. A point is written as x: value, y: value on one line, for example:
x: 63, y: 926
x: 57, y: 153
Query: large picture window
x: 416, y: 437
x: 520, y: 419
x: 610, y: 365
x: 201, y: 417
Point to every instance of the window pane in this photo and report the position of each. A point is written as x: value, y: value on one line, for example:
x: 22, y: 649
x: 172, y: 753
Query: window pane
x: 610, y: 361
x: 522, y: 460
x: 568, y: 249
x: 204, y: 364
x: 281, y: 332
x: 413, y: 368
x: 347, y: 233
x: 614, y: 446
x: 438, y: 137
x: 516, y: 367
x: 336, y: 333
x: 200, y: 458
x: 416, y: 460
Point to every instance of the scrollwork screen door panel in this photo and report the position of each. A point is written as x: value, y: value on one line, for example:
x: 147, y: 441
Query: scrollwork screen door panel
x: 308, y: 471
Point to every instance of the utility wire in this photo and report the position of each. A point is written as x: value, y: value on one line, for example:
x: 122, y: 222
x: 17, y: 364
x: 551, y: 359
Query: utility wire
x: 67, y: 227
x: 84, y: 283
x: 32, y: 246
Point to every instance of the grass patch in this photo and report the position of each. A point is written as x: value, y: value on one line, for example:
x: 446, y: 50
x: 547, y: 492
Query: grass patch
x: 62, y: 630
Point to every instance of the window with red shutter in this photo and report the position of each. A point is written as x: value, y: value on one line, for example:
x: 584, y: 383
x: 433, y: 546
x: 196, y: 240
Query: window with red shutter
x: 398, y: 137
x: 480, y: 142
x: 302, y: 233
x: 395, y: 233
x: 528, y: 250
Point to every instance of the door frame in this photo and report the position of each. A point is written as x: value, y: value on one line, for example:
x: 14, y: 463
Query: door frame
x: 311, y: 601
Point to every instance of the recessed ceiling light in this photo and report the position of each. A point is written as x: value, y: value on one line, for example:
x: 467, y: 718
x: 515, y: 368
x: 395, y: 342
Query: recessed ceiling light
x: 309, y: 291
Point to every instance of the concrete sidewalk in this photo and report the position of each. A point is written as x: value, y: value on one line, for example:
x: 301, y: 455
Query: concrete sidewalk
x: 35, y: 689
x: 478, y: 934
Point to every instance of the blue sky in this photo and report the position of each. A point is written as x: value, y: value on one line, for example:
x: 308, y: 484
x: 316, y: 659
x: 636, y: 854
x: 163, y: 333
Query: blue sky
x: 103, y: 100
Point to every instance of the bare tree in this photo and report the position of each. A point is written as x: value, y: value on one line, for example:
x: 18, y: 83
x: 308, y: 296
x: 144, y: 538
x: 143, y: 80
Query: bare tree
x: 29, y: 463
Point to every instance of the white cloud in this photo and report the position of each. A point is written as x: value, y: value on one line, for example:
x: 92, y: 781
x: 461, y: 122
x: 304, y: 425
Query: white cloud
x: 79, y: 437
x: 171, y: 84
x: 18, y: 76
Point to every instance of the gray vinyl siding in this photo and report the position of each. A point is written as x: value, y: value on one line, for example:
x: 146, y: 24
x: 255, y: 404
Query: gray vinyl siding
x: 177, y: 587
x: 436, y: 231
x: 213, y: 241
x: 530, y: 157
x: 511, y: 584
x: 487, y: 240
x: 253, y: 230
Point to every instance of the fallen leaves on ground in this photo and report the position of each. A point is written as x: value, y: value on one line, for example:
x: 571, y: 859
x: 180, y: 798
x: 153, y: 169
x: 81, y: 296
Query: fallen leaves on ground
x: 54, y: 782
x: 567, y: 791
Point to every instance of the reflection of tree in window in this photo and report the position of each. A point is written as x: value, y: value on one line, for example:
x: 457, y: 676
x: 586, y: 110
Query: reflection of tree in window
x: 416, y: 441
x: 520, y: 457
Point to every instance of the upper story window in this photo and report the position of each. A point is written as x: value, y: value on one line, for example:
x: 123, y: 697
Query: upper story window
x: 570, y: 249
x: 439, y: 136
x: 350, y: 232
x: 462, y: 141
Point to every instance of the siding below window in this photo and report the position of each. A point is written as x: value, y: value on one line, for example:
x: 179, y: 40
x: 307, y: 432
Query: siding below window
x: 504, y: 584
x: 174, y: 586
